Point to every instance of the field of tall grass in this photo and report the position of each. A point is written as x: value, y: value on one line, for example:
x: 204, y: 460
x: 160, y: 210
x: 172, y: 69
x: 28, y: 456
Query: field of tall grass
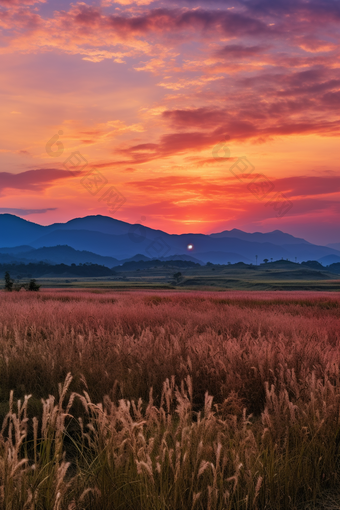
x: 169, y: 400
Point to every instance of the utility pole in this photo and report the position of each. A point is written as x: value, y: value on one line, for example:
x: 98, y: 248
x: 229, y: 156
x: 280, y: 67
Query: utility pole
x: 256, y: 258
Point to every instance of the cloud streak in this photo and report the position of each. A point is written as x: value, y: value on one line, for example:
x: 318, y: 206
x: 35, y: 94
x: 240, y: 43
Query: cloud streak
x: 25, y: 212
x: 32, y: 180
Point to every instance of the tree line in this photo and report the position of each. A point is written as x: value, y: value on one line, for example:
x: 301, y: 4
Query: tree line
x: 32, y: 285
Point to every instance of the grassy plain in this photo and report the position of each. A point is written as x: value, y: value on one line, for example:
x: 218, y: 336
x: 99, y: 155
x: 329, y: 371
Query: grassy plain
x: 169, y: 400
x: 279, y: 275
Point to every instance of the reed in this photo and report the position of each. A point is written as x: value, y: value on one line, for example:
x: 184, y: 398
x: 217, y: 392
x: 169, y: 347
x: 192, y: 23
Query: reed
x: 169, y: 400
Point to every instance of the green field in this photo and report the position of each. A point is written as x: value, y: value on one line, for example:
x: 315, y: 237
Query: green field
x: 281, y: 275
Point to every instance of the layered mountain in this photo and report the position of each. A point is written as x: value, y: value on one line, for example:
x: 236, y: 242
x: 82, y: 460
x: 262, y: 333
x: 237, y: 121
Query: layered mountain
x: 275, y: 237
x: 335, y: 246
x: 54, y: 255
x: 117, y: 241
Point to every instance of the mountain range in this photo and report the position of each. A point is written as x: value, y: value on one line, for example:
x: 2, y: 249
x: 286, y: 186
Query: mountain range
x: 110, y: 242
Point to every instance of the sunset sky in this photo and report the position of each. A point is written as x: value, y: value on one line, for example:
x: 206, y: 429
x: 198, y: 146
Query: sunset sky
x: 145, y: 91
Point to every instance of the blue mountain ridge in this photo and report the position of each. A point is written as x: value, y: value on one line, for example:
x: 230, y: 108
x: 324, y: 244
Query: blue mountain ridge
x: 108, y: 237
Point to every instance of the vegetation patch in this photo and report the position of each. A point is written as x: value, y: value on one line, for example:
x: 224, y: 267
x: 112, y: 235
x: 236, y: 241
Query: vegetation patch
x: 169, y: 400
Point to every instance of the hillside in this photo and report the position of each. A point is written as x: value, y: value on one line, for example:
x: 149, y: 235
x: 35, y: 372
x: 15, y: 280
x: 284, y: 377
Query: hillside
x: 108, y: 237
x: 56, y: 255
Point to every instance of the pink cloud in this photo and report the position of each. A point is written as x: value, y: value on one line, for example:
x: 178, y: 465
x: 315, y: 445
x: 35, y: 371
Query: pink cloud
x: 238, y: 51
x: 11, y: 3
x: 33, y: 180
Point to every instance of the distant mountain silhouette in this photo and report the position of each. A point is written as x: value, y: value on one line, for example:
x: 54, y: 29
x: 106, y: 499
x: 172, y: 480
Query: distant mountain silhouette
x: 275, y: 237
x: 334, y: 268
x: 335, y: 246
x: 182, y: 257
x: 16, y: 249
x: 329, y: 259
x: 134, y: 265
x: 219, y: 257
x: 107, y: 237
x: 16, y: 231
x: 56, y: 255
x: 136, y: 258
x: 38, y: 270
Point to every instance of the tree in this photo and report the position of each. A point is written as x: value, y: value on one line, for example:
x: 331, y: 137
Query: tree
x: 256, y: 258
x: 271, y: 259
x: 33, y: 286
x: 8, y: 282
x: 265, y: 261
x: 177, y: 275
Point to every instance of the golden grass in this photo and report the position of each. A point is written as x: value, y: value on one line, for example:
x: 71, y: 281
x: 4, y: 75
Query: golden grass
x: 167, y: 400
